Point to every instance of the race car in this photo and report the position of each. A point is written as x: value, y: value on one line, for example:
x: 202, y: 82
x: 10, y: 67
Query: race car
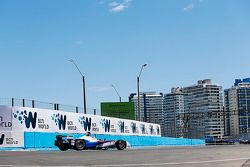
x: 88, y: 142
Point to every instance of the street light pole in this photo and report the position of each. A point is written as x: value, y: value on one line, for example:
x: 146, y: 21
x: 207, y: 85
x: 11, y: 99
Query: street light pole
x: 120, y: 99
x: 138, y: 92
x: 84, y: 95
x: 138, y: 99
x: 83, y: 86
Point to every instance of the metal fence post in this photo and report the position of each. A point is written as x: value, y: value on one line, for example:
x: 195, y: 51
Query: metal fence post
x: 12, y: 102
x: 23, y: 103
x: 76, y: 109
x: 33, y: 103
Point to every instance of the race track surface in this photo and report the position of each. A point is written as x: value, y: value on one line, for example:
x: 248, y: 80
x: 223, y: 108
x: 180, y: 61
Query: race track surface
x: 219, y: 156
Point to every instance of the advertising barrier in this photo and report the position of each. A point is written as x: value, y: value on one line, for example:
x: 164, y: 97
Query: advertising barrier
x: 28, y: 128
x: 41, y: 120
x: 11, y: 139
x: 5, y: 118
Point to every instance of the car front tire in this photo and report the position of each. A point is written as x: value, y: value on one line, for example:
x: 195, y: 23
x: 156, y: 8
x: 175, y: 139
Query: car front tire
x: 121, y: 145
x: 80, y: 144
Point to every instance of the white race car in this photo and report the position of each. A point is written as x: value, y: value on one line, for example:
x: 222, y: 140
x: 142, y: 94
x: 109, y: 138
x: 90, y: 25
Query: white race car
x: 88, y: 142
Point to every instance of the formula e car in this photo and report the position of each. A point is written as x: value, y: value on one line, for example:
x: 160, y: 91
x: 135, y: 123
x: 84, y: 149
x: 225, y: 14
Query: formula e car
x: 244, y: 141
x: 88, y: 142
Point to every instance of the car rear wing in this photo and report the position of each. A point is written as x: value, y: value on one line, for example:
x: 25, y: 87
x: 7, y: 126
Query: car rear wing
x: 64, y: 137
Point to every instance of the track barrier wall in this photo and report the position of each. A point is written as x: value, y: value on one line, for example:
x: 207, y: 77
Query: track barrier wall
x: 31, y: 128
x: 46, y: 140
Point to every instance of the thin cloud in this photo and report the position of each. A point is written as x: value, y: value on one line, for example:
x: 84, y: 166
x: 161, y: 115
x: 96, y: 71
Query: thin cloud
x: 114, y: 4
x: 189, y: 7
x: 193, y: 5
x: 119, y: 6
x: 127, y: 1
x: 99, y: 88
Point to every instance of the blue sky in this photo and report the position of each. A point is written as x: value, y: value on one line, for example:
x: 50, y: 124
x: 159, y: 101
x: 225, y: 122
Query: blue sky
x: 182, y: 41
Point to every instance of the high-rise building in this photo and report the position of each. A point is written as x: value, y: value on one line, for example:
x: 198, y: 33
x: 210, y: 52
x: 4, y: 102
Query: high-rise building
x: 174, y: 113
x: 151, y: 107
x: 203, y: 107
x: 237, y: 108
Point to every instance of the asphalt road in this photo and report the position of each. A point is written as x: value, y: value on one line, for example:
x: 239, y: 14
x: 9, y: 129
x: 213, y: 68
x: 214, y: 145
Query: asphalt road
x: 219, y: 156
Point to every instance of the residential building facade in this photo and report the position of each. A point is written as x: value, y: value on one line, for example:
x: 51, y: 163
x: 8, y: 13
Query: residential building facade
x: 151, y: 107
x: 192, y: 112
x: 237, y: 108
x: 174, y: 113
x: 203, y: 108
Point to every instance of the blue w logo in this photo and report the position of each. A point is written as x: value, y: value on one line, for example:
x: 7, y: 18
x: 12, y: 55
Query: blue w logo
x: 87, y: 124
x: 30, y: 120
x: 1, y: 139
x: 151, y: 129
x: 158, y: 130
x: 62, y: 122
x: 107, y: 125
x: 122, y: 127
x: 25, y: 118
x: 133, y: 126
x: 143, y: 129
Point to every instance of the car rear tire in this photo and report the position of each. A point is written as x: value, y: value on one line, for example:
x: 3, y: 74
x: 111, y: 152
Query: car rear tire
x: 63, y: 147
x: 121, y: 144
x: 80, y: 144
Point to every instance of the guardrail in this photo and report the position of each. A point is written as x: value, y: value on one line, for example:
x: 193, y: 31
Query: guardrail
x: 44, y: 105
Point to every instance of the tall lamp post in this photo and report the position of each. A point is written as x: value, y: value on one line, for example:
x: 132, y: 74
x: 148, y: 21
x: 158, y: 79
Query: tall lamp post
x: 120, y: 99
x: 83, y: 86
x: 138, y: 91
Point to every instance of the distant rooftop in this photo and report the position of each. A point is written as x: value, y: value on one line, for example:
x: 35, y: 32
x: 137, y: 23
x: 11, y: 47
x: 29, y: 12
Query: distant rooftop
x: 205, y: 81
x: 240, y: 81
